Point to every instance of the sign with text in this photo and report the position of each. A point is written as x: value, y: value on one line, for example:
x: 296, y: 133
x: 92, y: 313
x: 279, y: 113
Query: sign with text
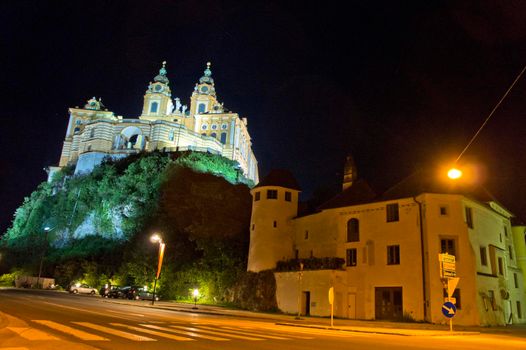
x: 447, y: 265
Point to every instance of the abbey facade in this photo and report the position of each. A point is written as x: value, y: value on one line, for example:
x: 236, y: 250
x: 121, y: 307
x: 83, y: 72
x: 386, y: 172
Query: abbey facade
x: 94, y: 133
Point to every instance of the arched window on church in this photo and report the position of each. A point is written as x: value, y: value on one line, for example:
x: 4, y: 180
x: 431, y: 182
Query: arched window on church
x: 154, y: 107
x: 223, y: 138
x: 201, y: 108
x: 214, y: 135
x: 353, y: 230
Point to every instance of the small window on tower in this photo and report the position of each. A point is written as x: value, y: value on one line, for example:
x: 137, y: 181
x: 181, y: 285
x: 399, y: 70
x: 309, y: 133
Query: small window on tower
x: 154, y: 107
x: 288, y: 196
x: 272, y: 194
x: 201, y: 108
x: 257, y: 196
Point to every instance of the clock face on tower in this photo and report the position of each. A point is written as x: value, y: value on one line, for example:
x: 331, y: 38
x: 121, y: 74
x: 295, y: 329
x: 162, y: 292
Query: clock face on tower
x: 158, y: 88
x: 204, y: 88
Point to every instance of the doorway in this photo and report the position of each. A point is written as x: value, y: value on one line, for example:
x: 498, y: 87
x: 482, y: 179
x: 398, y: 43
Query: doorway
x: 351, y: 305
x: 305, y: 303
x: 388, y: 303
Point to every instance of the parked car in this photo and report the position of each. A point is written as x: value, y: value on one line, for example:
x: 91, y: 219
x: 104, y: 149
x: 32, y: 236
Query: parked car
x: 117, y: 292
x: 144, y: 294
x: 82, y: 289
x: 106, y: 290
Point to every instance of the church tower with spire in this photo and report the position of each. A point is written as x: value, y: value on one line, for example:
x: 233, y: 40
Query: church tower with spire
x: 204, y: 98
x: 158, y: 98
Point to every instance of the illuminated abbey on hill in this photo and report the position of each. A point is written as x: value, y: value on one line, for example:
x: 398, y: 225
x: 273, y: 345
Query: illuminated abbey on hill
x: 94, y: 132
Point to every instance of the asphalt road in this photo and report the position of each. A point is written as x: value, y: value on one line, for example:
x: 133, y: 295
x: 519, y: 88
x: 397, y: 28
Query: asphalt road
x: 49, y: 320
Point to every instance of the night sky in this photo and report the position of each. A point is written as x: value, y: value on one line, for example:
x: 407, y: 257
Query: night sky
x: 401, y: 86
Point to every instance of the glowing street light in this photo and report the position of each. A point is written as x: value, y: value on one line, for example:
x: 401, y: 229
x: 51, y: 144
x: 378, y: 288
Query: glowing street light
x: 454, y: 173
x: 157, y: 239
x: 195, y: 293
x: 46, y: 230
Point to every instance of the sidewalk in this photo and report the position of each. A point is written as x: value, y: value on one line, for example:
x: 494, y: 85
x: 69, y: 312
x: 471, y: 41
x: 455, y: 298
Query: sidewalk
x: 362, y: 326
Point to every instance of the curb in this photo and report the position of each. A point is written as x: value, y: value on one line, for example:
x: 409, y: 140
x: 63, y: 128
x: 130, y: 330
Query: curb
x: 382, y: 331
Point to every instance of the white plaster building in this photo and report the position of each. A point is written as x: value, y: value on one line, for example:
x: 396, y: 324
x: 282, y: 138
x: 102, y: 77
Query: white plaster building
x: 389, y: 245
x: 94, y: 133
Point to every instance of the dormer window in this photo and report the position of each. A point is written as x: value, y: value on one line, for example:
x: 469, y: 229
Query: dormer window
x: 154, y: 107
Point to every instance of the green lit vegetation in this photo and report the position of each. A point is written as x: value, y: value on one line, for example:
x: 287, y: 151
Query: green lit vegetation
x: 100, y: 224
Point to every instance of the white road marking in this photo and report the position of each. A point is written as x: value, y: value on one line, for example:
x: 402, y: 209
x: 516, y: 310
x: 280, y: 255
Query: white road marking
x: 258, y: 329
x: 148, y: 331
x: 237, y: 331
x: 216, y: 333
x: 31, y: 333
x: 125, y: 313
x: 189, y: 333
x: 71, y: 331
x: 116, y: 332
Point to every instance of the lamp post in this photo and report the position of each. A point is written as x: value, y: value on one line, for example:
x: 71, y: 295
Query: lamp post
x: 46, y: 230
x: 157, y: 239
x: 195, y: 293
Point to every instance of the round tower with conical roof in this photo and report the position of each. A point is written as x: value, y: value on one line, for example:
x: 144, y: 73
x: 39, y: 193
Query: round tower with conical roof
x: 274, y: 205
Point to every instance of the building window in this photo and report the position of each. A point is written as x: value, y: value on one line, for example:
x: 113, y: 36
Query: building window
x: 154, y: 107
x: 456, y: 295
x: 204, y: 126
x: 392, y: 212
x: 393, y: 255
x: 519, y: 311
x: 257, y: 196
x: 214, y: 135
x: 351, y: 257
x: 469, y: 217
x: 92, y: 133
x: 510, y: 250
x: 77, y: 122
x: 201, y: 108
x: 296, y: 254
x: 501, y: 266
x: 443, y: 210
x: 223, y: 138
x: 171, y: 136
x: 515, y: 280
x: 288, y: 196
x: 214, y: 126
x: 272, y: 194
x: 275, y: 224
x: 353, y: 230
x: 447, y: 246
x: 483, y: 256
x: 505, y: 231
x: 89, y: 148
x: 306, y: 234
x: 253, y: 227
x: 491, y: 297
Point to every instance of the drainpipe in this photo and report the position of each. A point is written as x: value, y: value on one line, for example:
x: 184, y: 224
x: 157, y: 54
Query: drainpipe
x: 422, y: 254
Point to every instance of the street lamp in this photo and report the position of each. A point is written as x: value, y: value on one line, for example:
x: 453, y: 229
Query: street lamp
x: 46, y: 230
x: 454, y: 173
x: 157, y: 239
x: 195, y: 293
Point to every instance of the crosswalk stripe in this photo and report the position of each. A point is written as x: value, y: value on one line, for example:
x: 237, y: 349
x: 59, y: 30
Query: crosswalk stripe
x: 31, y: 333
x: 14, y: 348
x: 193, y: 329
x: 148, y: 331
x: 71, y: 331
x: 116, y: 332
x: 259, y: 333
x: 258, y: 330
x: 235, y: 331
x: 191, y: 334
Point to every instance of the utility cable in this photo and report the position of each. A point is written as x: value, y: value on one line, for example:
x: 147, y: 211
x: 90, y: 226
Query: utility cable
x: 491, y: 114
